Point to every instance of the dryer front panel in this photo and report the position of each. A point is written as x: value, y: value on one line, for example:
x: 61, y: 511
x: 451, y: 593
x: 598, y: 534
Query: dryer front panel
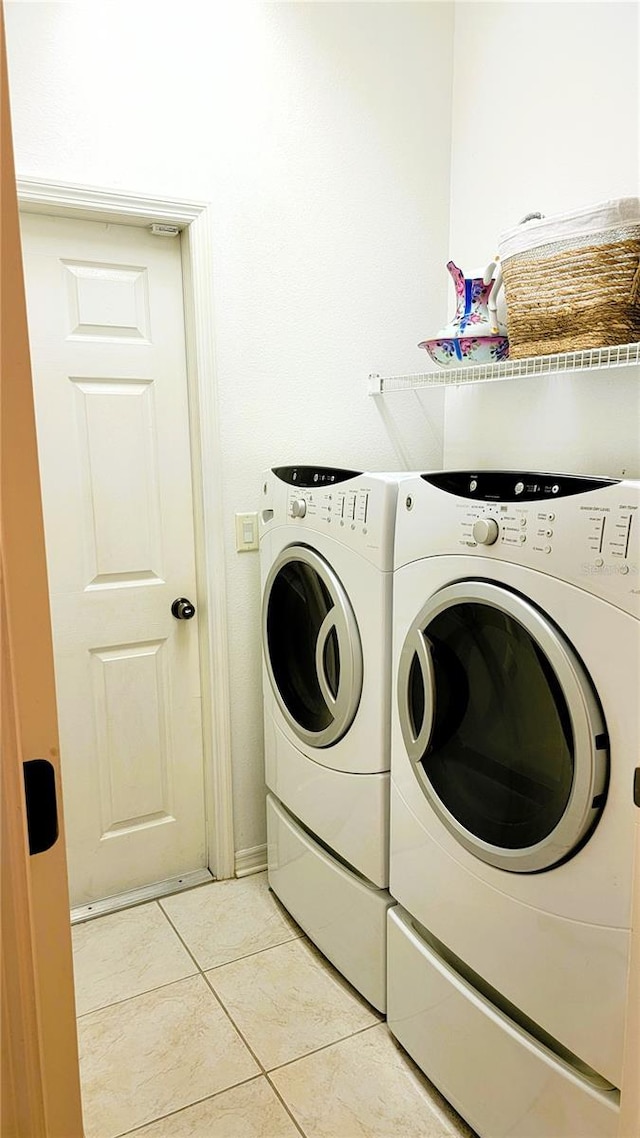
x: 312, y: 647
x: 502, y: 727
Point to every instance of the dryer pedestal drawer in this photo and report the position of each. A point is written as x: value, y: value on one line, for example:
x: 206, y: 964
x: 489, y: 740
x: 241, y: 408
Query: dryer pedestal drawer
x: 504, y: 1082
x: 342, y: 914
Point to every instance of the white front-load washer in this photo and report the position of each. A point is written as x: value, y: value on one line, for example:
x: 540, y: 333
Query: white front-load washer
x: 514, y: 743
x: 326, y: 555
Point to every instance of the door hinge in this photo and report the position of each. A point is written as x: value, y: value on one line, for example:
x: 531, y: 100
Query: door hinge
x: 636, y: 786
x: 159, y: 229
x: 42, y: 804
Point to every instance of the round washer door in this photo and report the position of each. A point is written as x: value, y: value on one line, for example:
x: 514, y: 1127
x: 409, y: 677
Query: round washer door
x: 311, y: 646
x: 502, y: 726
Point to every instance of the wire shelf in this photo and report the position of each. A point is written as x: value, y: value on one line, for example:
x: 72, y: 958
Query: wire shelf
x: 620, y: 356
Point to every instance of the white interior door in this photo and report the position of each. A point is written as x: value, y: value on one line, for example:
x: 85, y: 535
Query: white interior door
x: 106, y: 329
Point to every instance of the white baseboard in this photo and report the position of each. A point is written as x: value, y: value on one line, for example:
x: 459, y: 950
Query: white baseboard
x: 249, y: 861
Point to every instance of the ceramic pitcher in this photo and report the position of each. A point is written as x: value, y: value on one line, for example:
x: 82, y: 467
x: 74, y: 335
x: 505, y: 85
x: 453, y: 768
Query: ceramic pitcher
x: 476, y: 303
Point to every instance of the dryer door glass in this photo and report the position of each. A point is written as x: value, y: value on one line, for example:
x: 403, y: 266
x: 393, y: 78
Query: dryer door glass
x: 312, y: 647
x: 495, y: 723
x: 502, y: 755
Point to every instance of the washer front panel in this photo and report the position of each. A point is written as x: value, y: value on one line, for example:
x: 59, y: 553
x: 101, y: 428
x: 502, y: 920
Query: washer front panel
x: 502, y: 727
x: 312, y: 646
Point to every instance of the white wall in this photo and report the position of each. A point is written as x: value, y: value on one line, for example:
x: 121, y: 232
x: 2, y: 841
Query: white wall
x: 320, y: 133
x: 545, y: 117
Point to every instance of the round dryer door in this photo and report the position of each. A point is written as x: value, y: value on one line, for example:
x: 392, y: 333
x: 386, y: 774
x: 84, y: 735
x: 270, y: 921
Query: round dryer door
x: 502, y: 727
x: 311, y: 646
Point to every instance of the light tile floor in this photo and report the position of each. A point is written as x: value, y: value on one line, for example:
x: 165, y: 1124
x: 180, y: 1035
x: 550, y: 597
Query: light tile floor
x: 210, y: 1015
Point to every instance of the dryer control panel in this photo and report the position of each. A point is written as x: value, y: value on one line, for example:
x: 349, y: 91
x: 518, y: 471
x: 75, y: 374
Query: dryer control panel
x: 357, y: 510
x: 343, y: 507
x: 583, y: 530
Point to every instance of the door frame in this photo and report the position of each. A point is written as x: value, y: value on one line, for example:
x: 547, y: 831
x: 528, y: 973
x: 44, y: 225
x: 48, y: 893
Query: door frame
x: 194, y: 221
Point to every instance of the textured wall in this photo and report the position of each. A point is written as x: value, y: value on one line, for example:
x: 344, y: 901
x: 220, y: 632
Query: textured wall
x: 321, y: 135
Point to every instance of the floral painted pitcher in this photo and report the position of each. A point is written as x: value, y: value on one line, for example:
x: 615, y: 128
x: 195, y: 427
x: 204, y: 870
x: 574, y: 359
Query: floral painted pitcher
x: 476, y: 303
x: 474, y: 335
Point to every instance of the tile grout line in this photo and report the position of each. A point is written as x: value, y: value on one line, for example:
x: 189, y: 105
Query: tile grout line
x: 216, y: 997
x: 197, y: 1102
x: 324, y: 1047
x: 316, y: 1050
x: 147, y: 991
x: 263, y: 1069
x: 263, y: 1072
x: 244, y: 956
x: 251, y: 1051
x: 285, y: 1106
x: 200, y: 971
x: 134, y: 996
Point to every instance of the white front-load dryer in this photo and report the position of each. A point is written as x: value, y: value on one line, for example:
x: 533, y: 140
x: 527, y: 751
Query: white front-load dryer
x: 514, y: 744
x: 326, y: 554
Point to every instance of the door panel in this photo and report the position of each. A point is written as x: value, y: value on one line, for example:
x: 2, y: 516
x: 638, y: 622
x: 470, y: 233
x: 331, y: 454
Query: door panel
x: 107, y: 341
x: 121, y: 517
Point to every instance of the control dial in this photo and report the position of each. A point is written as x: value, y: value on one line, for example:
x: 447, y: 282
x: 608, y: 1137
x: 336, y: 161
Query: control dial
x: 485, y: 531
x: 298, y: 508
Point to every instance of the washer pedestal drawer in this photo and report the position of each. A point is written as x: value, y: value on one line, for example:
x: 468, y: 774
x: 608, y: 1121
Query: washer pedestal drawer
x: 502, y: 1080
x: 344, y: 915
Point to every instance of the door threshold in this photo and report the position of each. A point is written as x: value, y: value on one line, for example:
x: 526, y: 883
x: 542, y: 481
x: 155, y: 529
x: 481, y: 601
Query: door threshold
x: 139, y: 896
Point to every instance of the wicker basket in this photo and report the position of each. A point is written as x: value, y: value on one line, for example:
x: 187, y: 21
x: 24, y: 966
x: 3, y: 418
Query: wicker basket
x: 573, y: 281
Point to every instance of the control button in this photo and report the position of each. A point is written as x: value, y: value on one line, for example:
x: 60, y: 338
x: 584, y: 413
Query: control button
x: 523, y: 538
x: 548, y: 533
x: 523, y: 522
x: 599, y: 562
x: 473, y: 485
x: 551, y: 517
x: 298, y: 508
x: 624, y: 569
x: 486, y: 531
x: 364, y: 529
x: 547, y: 549
x: 519, y: 487
x: 555, y: 488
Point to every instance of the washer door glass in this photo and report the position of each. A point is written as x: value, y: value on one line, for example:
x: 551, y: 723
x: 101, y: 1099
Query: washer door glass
x: 501, y: 721
x: 312, y: 646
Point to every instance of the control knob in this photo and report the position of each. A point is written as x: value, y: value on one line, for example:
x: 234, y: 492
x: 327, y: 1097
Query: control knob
x: 298, y: 508
x: 485, y: 531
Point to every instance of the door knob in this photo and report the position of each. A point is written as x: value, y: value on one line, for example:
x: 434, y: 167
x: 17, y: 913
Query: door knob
x: 182, y: 609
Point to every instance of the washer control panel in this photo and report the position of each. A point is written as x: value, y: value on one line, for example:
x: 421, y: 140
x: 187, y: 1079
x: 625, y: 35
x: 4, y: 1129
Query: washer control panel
x: 584, y: 530
x: 483, y: 524
x: 606, y: 531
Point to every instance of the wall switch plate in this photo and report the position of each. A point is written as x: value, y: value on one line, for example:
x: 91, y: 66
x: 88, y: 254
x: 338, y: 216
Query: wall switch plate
x: 246, y: 532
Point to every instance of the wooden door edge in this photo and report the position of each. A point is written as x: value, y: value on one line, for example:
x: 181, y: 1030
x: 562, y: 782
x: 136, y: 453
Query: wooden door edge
x: 22, y: 1102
